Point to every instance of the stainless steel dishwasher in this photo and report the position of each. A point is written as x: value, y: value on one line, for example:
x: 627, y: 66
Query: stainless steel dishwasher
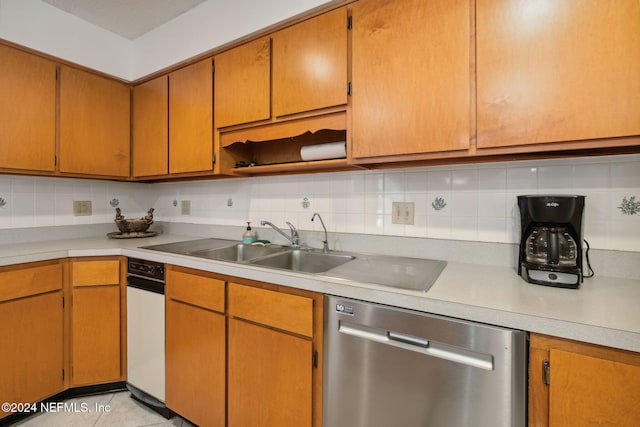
x: 387, y: 367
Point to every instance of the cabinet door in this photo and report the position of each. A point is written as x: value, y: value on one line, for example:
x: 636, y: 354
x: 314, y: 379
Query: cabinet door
x: 310, y: 64
x: 32, y: 352
x: 191, y: 118
x: 94, y: 124
x: 560, y: 70
x: 95, y: 352
x: 592, y: 391
x: 151, y: 128
x: 195, y: 360
x: 411, y: 89
x: 270, y: 377
x: 27, y: 111
x: 243, y: 84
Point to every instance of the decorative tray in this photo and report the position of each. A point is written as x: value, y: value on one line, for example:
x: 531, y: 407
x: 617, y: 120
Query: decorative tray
x: 133, y: 235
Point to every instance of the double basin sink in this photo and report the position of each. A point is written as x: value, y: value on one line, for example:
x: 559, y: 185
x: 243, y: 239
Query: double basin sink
x: 397, y: 272
x: 302, y: 260
x: 282, y: 257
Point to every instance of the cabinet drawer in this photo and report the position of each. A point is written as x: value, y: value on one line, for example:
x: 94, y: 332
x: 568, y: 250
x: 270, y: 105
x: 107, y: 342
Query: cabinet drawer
x: 95, y: 273
x: 30, y: 281
x: 291, y: 313
x: 201, y: 291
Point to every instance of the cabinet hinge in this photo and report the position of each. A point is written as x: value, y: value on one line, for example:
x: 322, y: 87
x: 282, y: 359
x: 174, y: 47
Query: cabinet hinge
x: 546, y: 372
x: 349, y: 22
x: 314, y: 359
x: 349, y: 89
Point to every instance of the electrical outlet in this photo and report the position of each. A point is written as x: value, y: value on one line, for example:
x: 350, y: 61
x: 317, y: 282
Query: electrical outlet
x: 185, y: 207
x: 82, y: 208
x: 402, y: 213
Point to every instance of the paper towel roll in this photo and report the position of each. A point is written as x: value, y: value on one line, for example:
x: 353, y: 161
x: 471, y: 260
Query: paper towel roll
x: 331, y: 150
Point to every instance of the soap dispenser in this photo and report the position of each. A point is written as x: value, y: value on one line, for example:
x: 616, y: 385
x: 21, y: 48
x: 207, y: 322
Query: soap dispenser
x: 249, y: 235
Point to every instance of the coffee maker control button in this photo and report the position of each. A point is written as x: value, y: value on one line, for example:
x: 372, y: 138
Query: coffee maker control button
x: 553, y: 276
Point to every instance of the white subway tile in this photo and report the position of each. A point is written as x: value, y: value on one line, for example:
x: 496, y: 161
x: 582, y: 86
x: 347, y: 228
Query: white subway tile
x: 625, y: 175
x: 492, y: 204
x: 394, y: 182
x: 555, y: 179
x: 439, y: 227
x: 464, y: 180
x: 416, y: 182
x: 522, y: 179
x: 492, y: 179
x: 592, y: 176
x: 439, y: 181
x: 492, y: 229
x: 374, y: 182
x: 464, y: 204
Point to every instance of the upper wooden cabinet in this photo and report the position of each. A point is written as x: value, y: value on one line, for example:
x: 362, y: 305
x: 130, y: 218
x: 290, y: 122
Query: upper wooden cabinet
x: 191, y: 118
x: 243, y: 84
x: 411, y: 74
x: 561, y: 70
x: 151, y: 128
x: 310, y: 64
x: 27, y: 111
x: 94, y: 124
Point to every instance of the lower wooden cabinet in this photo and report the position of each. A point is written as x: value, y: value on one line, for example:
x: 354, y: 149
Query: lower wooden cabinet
x: 242, y: 354
x: 579, y: 384
x: 96, y: 333
x: 274, y: 375
x: 195, y: 347
x: 270, y: 377
x: 31, y: 327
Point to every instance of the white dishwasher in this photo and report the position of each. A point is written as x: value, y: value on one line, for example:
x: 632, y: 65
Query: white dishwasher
x: 145, y: 334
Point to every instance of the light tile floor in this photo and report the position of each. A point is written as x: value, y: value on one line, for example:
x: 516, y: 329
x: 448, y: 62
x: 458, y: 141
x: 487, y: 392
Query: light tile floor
x: 91, y: 412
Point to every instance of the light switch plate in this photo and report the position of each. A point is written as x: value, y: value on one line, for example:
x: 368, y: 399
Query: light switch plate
x: 185, y: 207
x: 82, y: 208
x: 402, y: 213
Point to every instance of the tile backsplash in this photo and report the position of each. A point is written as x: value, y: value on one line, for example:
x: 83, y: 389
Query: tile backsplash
x: 457, y: 202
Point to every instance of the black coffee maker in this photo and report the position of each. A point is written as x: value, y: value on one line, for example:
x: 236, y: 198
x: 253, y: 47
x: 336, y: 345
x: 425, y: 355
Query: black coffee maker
x: 551, y: 241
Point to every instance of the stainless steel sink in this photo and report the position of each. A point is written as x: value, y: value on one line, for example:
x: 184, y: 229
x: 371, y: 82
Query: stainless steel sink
x: 303, y: 260
x: 397, y: 272
x: 238, y: 253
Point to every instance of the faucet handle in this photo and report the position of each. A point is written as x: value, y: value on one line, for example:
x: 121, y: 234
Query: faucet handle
x: 295, y: 237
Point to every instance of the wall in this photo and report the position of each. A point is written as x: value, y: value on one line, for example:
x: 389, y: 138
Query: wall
x: 42, y: 27
x: 209, y: 25
x: 479, y: 201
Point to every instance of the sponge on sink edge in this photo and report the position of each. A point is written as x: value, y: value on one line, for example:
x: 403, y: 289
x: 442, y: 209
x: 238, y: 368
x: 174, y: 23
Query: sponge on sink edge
x: 261, y: 243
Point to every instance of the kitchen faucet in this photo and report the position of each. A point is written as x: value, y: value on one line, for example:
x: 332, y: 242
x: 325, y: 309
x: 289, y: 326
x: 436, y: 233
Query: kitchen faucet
x: 325, y: 247
x: 294, y: 239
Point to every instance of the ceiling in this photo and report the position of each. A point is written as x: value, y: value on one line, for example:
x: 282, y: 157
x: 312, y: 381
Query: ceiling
x: 127, y: 18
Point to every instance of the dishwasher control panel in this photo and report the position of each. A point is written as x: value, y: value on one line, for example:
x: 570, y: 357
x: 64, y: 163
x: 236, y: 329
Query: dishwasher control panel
x: 147, y: 269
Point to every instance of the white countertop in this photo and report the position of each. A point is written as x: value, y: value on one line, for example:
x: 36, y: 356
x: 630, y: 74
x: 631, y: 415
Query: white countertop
x: 603, y: 311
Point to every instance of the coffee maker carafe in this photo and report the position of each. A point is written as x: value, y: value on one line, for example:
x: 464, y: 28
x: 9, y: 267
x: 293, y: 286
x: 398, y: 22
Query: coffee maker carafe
x: 551, y: 240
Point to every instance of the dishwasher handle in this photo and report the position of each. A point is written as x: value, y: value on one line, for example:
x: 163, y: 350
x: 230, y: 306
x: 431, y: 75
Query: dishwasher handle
x: 419, y: 345
x: 408, y: 339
